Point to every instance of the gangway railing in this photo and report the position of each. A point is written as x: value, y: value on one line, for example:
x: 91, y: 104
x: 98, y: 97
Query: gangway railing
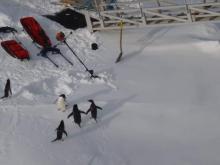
x: 135, y: 15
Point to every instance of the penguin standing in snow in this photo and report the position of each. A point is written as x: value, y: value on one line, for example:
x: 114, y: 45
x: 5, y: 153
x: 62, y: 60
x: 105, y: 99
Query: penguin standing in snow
x: 6, y: 29
x: 60, y: 130
x: 61, y: 103
x: 76, y: 113
x: 93, y: 109
x: 7, y: 89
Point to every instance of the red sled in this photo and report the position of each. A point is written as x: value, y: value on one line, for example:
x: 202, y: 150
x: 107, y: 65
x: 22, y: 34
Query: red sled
x: 14, y: 49
x: 35, y: 31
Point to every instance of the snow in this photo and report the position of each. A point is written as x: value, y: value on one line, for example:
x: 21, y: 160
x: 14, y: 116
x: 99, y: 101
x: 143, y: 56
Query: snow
x: 160, y: 103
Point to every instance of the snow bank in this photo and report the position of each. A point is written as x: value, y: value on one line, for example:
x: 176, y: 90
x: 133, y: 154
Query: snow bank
x: 4, y: 20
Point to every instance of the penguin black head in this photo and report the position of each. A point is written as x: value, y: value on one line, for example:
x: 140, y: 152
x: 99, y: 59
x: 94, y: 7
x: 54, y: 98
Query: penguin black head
x: 75, y: 106
x: 91, y: 101
x: 61, y: 126
x: 63, y: 95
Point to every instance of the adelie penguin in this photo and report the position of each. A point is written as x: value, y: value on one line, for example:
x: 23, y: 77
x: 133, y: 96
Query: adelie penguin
x: 7, y: 29
x: 76, y: 113
x: 61, y: 103
x: 7, y: 89
x: 60, y: 130
x: 93, y: 109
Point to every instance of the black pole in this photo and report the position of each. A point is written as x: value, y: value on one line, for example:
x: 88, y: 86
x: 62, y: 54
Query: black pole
x: 90, y: 71
x: 75, y: 54
x: 51, y: 61
x: 121, y: 52
x: 66, y: 59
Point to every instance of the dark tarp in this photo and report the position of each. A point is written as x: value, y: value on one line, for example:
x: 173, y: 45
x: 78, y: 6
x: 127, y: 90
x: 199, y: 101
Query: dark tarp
x: 69, y: 18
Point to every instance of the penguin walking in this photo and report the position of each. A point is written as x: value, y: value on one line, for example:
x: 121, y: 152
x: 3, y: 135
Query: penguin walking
x: 60, y: 130
x: 61, y: 103
x: 93, y: 109
x: 76, y: 113
x: 7, y: 91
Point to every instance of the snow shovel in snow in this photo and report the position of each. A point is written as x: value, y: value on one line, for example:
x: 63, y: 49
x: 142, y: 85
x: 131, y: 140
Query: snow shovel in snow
x: 120, y: 54
x: 60, y: 36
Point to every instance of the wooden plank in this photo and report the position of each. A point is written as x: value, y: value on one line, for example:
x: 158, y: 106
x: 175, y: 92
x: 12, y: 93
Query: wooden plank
x: 214, y: 4
x: 119, y: 18
x: 164, y: 16
x: 204, y: 11
x: 150, y: 17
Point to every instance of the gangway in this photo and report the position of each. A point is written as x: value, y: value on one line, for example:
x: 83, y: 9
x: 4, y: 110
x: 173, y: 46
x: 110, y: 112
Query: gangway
x: 136, y: 14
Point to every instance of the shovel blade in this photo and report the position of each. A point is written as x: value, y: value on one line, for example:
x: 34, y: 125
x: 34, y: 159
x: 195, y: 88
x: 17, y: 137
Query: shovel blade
x: 119, y: 57
x: 91, y: 71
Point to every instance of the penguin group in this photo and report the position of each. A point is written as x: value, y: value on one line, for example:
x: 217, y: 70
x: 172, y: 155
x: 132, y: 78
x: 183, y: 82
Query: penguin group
x: 61, y: 106
x: 76, y: 114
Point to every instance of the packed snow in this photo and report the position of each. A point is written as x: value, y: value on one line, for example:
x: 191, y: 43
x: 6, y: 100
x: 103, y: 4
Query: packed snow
x: 160, y: 103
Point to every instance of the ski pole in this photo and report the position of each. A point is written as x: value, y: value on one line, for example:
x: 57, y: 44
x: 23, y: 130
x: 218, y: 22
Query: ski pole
x: 60, y: 36
x: 51, y: 61
x: 57, y: 51
x: 75, y: 54
x: 90, y: 71
x: 66, y: 59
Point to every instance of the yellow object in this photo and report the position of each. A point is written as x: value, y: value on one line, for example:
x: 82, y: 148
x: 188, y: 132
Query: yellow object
x: 121, y: 24
x: 70, y: 2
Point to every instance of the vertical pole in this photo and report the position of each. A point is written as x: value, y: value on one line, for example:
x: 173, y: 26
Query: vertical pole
x: 120, y: 54
x: 142, y: 15
x: 100, y: 17
x: 96, y: 6
x: 189, y: 15
x: 88, y: 20
x: 158, y: 3
x: 121, y: 26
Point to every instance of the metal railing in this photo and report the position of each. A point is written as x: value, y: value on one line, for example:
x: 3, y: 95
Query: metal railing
x: 135, y: 15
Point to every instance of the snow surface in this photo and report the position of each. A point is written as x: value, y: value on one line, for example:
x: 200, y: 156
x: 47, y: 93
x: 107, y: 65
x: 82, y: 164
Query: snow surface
x: 160, y: 103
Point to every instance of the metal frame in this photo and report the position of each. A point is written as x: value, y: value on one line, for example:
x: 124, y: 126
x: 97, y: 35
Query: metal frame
x: 148, y: 17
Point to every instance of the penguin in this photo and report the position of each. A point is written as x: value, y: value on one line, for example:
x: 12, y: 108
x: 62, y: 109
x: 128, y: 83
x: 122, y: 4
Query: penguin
x: 7, y: 90
x: 60, y: 130
x: 76, y: 113
x: 61, y: 103
x: 93, y: 109
x: 7, y: 29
